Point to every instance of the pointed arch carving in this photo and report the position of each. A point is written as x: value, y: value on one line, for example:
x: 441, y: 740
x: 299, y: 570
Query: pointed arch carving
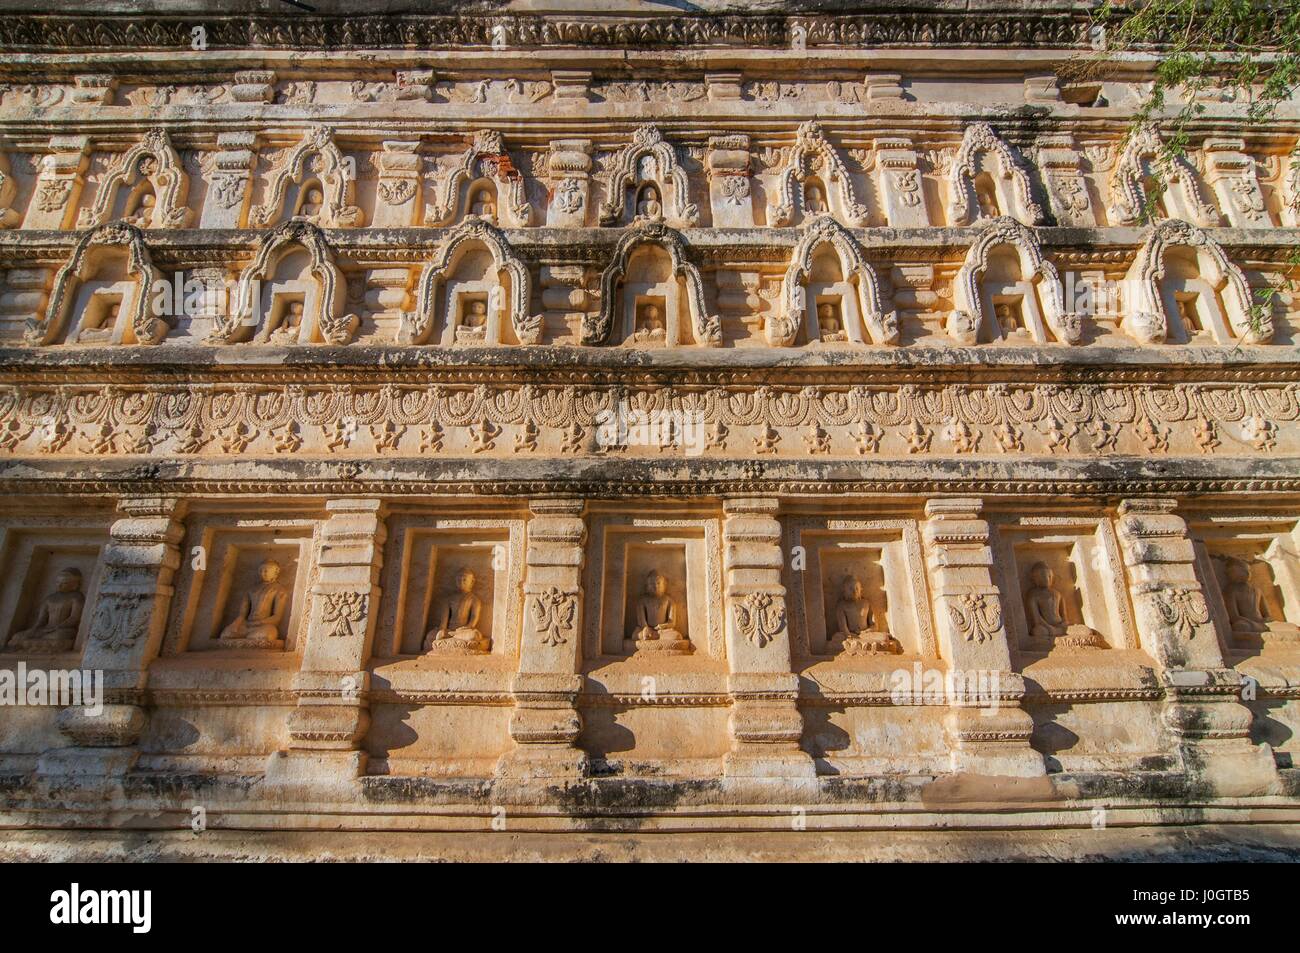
x: 622, y: 177
x: 487, y: 158
x: 812, y: 154
x: 1128, y: 195
x: 969, y: 315
x: 324, y: 318
x: 881, y: 327
x: 153, y: 159
x: 145, y: 326
x: 963, y: 206
x: 1148, y: 319
x: 416, y: 327
x: 337, y: 179
x: 707, y: 328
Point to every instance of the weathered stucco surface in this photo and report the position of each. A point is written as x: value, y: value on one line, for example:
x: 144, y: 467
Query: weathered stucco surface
x: 566, y: 418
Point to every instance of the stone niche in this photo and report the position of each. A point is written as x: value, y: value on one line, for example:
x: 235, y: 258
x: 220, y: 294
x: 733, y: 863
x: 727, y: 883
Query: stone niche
x: 424, y: 578
x: 52, y: 575
x: 243, y: 586
x: 471, y: 309
x: 1062, y: 587
x: 1250, y: 572
x: 637, y: 567
x: 826, y: 556
x: 653, y: 308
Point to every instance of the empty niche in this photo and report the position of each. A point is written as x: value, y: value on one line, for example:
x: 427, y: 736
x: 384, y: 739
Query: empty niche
x: 53, y: 586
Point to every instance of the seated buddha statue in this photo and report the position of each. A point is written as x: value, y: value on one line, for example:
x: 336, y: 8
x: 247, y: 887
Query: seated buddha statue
x: 655, y: 627
x: 1247, y: 613
x: 257, y: 623
x: 855, y: 624
x: 457, y: 630
x: 1045, y: 613
x: 57, y: 620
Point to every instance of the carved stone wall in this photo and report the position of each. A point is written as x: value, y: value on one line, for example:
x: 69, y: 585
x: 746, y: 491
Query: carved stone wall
x: 813, y: 425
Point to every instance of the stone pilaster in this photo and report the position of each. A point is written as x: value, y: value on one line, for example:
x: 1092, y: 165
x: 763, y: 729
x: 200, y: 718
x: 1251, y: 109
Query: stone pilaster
x: 766, y: 725
x: 1203, y: 709
x: 126, y: 630
x: 990, y: 730
x: 546, y: 722
x: 226, y: 205
x: 331, y: 717
x: 58, y: 186
x: 730, y: 194
x: 399, y: 194
x: 1230, y: 172
x: 1067, y: 188
x: 569, y: 167
x: 388, y: 296
x: 898, y: 182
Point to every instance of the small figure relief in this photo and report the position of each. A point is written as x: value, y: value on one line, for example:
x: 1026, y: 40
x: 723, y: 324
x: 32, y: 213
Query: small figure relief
x: 986, y: 198
x: 59, y: 617
x: 483, y: 205
x: 650, y: 328
x: 648, y: 204
x: 1190, y: 316
x: 311, y: 203
x: 100, y: 331
x: 1007, y: 314
x: 472, y: 326
x: 289, y: 324
x: 1045, y: 613
x: 457, y: 631
x: 855, y: 624
x: 830, y: 324
x: 140, y: 209
x: 814, y: 200
x: 257, y: 626
x: 655, y: 628
x: 1246, y: 611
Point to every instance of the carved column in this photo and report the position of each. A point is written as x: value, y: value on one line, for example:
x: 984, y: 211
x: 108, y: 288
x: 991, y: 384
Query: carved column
x: 1230, y: 172
x: 990, y: 734
x: 546, y: 722
x: 569, y: 167
x: 23, y: 297
x: 226, y: 205
x: 331, y: 718
x: 126, y: 630
x: 399, y: 195
x: 1202, y: 695
x: 388, y: 296
x: 898, y: 181
x: 766, y: 725
x: 59, y: 184
x: 729, y: 186
x: 1067, y: 189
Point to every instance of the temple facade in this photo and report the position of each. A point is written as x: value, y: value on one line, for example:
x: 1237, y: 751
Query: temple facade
x: 609, y: 418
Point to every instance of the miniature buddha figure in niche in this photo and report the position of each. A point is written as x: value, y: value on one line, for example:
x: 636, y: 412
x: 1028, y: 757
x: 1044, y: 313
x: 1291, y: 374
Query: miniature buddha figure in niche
x: 103, y: 330
x: 257, y: 624
x: 814, y: 202
x: 483, y: 205
x: 987, y: 201
x: 458, y: 618
x: 142, y: 214
x: 473, y: 322
x: 650, y: 327
x: 1045, y: 612
x: 655, y: 626
x: 56, y: 624
x: 1008, y: 318
x: 1188, y: 314
x: 1245, y: 605
x: 828, y: 320
x: 647, y: 204
x: 290, y: 324
x: 311, y: 204
x: 855, y: 624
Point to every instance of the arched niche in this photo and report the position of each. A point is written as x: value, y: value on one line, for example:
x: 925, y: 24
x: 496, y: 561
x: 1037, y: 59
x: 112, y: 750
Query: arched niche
x: 814, y: 181
x: 648, y: 164
x: 1133, y: 183
x: 989, y: 180
x: 104, y: 293
x: 291, y: 293
x: 475, y: 291
x: 145, y: 186
x: 1007, y: 291
x: 830, y: 293
x: 1187, y: 290
x: 484, y: 184
x: 650, y: 269
x: 313, y: 183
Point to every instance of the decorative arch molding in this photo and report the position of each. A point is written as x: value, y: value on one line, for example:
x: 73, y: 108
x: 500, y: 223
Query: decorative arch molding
x: 337, y: 179
x: 1148, y: 319
x: 325, y: 318
x: 622, y: 177
x: 1128, y: 193
x: 811, y: 150
x: 963, y: 204
x: 416, y: 327
x: 152, y: 159
x: 782, y: 330
x: 486, y: 158
x: 707, y: 328
x: 969, y: 314
x: 145, y: 326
